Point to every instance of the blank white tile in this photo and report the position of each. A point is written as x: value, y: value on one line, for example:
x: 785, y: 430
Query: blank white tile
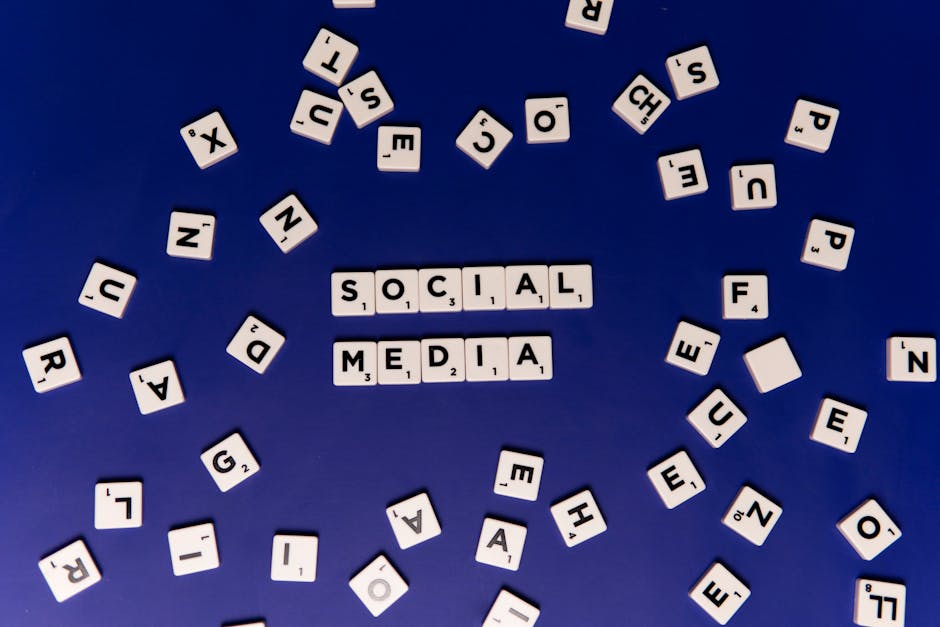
x: 745, y: 297
x: 255, y: 344
x: 839, y: 425
x: 682, y: 174
x: 440, y: 289
x: 487, y: 358
x: 772, y: 365
x: 413, y: 520
x: 399, y: 362
x: 355, y: 363
x: 378, y: 585
x: 692, y: 72
x: 511, y: 611
x: 330, y: 56
x: 209, y: 140
x: 484, y: 139
x: 912, y: 359
x: 530, y: 358
x: 157, y: 387
x: 570, y: 287
x: 752, y: 515
x: 717, y: 418
x: 191, y: 235
x: 753, y: 186
x: 294, y: 557
x: 641, y: 104
x: 720, y: 593
x: 193, y: 549
x: 869, y: 530
x: 828, y: 245
x: 527, y: 287
x: 366, y: 99
x: 518, y: 475
x: 52, y: 364
x: 353, y: 4
x: 501, y: 544
x: 119, y: 504
x: 578, y: 518
x: 69, y: 570
x: 546, y: 120
x: 692, y: 348
x: 812, y: 126
x: 590, y: 16
x: 288, y: 223
x: 107, y: 290
x: 396, y: 291
x: 316, y: 117
x: 484, y: 288
x: 880, y: 603
x: 352, y: 293
x: 398, y: 149
x: 442, y: 360
x: 676, y: 479
x: 230, y: 462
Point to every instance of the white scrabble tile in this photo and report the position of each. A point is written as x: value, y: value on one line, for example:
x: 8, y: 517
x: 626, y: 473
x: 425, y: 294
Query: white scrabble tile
x: 107, y: 290
x: 828, y: 245
x: 396, y: 291
x: 366, y: 99
x: 692, y: 348
x: 294, y: 557
x: 578, y: 518
x: 518, y: 475
x: 546, y: 120
x: 440, y: 289
x: 413, y: 520
x: 229, y: 462
x: 717, y: 418
x: 484, y: 288
x: 879, y: 603
x: 330, y: 56
x: 52, y: 364
x: 191, y: 235
x: 752, y: 515
x: 772, y: 365
x: 157, y: 387
x: 398, y: 149
x: 692, y: 72
x: 119, y: 505
x: 511, y: 611
x: 745, y: 297
x: 355, y: 363
x: 193, y: 549
x: 753, y: 186
x: 812, y: 126
x: 682, y: 174
x: 676, y: 479
x: 316, y: 117
x: 209, y: 140
x: 399, y: 362
x: 442, y: 360
x: 487, y: 358
x: 570, y: 287
x: 69, y: 570
x: 353, y: 4
x: 641, y: 104
x: 378, y: 585
x: 912, y: 359
x: 719, y: 593
x: 590, y: 16
x: 484, y: 139
x: 869, y: 530
x: 288, y: 223
x: 530, y: 358
x: 527, y: 287
x: 501, y: 544
x: 352, y: 293
x: 839, y: 425
x: 255, y: 344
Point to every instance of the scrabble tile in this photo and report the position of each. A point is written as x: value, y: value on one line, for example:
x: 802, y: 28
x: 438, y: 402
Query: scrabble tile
x: 330, y: 56
x: 745, y: 297
x: 546, y: 120
x: 530, y: 358
x: 912, y: 359
x: 52, y: 364
x: 839, y: 425
x: 752, y: 515
x: 720, y: 593
x: 396, y: 291
x: 398, y: 149
x: 193, y: 549
x: 869, y: 530
x: 692, y: 72
x: 288, y: 223
x: 590, y: 16
x: 812, y: 126
x: 353, y: 4
x: 378, y: 585
x: 753, y: 186
x: 107, y: 290
x: 772, y: 365
x: 570, y: 287
x: 879, y: 603
x: 209, y: 140
x: 191, y: 235
x: 119, y: 504
x: 440, y: 289
x: 641, y: 103
x: 413, y: 520
x: 484, y: 288
x: 692, y: 348
x: 682, y: 174
x: 487, y: 358
x: 366, y: 99
x: 316, y: 117
x: 828, y: 245
x: 294, y: 557
x: 69, y: 570
x: 578, y: 518
x: 255, y: 344
x: 676, y: 479
x: 501, y: 544
x: 717, y: 418
x: 442, y: 360
x: 484, y: 139
x: 511, y: 611
x: 527, y: 287
x: 157, y: 387
x: 355, y: 363
x: 229, y: 462
x: 399, y: 362
x: 254, y: 624
x: 352, y: 293
x: 518, y: 475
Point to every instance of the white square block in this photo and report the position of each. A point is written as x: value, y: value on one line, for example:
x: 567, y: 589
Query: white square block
x: 518, y: 475
x: 157, y: 387
x: 107, y: 290
x: 487, y: 358
x: 484, y: 288
x: 570, y: 287
x: 352, y: 293
x: 717, y: 418
x: 294, y: 558
x: 546, y: 120
x: 530, y: 358
x: 641, y: 104
x: 378, y: 585
x: 440, y: 289
x: 442, y: 360
x: 413, y: 520
x: 682, y: 174
x: 316, y: 117
x: 745, y: 297
x: 398, y: 149
x: 753, y: 186
x: 527, y: 287
x: 912, y: 359
x: 399, y: 362
x: 209, y: 140
x: 772, y: 365
x: 229, y: 462
x: 69, y: 570
x: 51, y: 364
x: 510, y: 611
x: 288, y: 223
x: 812, y: 126
x: 501, y: 544
x: 692, y: 72
x: 119, y: 505
x: 590, y: 16
x: 879, y: 603
x: 676, y: 479
x: 366, y: 99
x: 191, y: 235
x: 355, y: 363
x: 193, y: 549
x: 255, y: 344
x: 869, y: 530
x: 839, y: 425
x: 396, y: 291
x: 828, y: 245
x: 353, y: 4
x: 719, y: 593
x: 330, y: 56
x: 752, y: 515
x: 693, y: 348
x: 484, y: 139
x: 578, y: 518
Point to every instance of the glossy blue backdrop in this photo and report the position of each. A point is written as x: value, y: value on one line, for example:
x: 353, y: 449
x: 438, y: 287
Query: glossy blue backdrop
x: 91, y: 164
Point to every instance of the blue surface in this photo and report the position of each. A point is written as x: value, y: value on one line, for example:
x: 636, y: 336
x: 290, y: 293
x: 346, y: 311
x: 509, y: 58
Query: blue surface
x: 92, y: 164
